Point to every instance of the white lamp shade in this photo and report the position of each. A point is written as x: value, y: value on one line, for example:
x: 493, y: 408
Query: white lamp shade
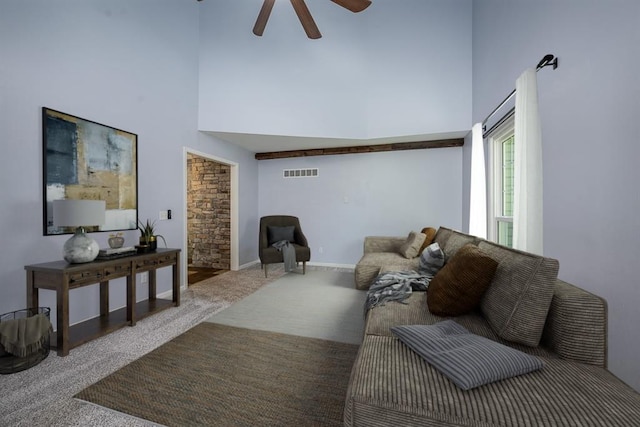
x: 78, y: 213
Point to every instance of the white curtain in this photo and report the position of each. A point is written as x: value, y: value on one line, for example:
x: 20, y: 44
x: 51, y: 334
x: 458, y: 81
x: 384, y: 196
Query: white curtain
x: 478, y: 196
x: 527, y: 209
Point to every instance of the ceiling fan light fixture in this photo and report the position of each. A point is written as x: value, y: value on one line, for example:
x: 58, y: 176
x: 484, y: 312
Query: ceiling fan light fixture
x: 263, y: 17
x: 306, y: 19
x: 304, y: 15
x: 354, y: 6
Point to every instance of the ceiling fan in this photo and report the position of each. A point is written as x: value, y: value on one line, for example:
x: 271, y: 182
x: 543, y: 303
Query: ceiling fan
x: 304, y: 15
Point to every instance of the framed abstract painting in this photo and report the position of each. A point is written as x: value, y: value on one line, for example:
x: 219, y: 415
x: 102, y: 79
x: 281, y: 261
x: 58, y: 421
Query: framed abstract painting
x: 85, y: 160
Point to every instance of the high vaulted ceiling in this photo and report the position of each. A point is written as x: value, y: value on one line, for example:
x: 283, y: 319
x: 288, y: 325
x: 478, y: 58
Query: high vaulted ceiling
x: 395, y: 72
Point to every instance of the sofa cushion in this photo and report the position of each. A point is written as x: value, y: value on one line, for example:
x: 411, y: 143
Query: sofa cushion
x: 409, y: 249
x: 466, y: 359
x: 517, y: 301
x: 392, y: 385
x: 430, y: 234
x: 381, y: 319
x: 277, y: 234
x: 576, y: 326
x: 369, y: 266
x: 431, y: 259
x: 458, y: 287
x: 451, y: 240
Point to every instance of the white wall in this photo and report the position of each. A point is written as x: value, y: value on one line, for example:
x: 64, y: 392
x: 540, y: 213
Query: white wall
x: 397, y: 68
x: 358, y: 195
x: 131, y: 65
x: 589, y: 110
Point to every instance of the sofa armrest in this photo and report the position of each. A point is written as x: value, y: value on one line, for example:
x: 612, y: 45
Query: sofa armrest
x: 576, y: 326
x: 382, y: 244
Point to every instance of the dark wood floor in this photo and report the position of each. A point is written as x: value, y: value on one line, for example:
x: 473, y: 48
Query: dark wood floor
x: 198, y: 274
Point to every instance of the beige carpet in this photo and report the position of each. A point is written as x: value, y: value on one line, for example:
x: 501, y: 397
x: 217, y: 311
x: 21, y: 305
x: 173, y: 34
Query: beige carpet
x: 43, y: 395
x: 232, y: 286
x: 218, y: 375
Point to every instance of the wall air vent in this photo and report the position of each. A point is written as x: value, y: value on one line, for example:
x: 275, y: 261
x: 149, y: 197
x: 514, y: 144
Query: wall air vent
x: 300, y: 173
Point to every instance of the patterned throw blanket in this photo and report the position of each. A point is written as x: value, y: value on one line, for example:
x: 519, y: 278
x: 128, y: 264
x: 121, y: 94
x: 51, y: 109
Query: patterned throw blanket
x: 395, y: 286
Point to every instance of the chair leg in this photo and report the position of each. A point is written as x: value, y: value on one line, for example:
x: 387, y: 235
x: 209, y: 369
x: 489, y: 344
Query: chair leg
x: 265, y: 270
x: 304, y: 267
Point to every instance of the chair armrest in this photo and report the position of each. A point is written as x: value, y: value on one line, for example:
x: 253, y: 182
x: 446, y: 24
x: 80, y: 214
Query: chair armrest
x: 576, y: 326
x: 382, y: 244
x: 300, y: 238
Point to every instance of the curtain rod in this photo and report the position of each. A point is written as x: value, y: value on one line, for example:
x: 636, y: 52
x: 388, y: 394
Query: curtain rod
x: 548, y: 60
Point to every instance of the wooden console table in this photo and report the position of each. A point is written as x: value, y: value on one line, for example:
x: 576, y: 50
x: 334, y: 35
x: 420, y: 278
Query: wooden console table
x: 61, y: 277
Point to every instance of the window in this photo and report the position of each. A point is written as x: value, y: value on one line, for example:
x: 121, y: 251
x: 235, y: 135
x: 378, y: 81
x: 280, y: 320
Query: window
x: 501, y: 144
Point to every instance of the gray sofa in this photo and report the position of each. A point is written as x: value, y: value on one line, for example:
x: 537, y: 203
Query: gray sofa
x: 392, y: 385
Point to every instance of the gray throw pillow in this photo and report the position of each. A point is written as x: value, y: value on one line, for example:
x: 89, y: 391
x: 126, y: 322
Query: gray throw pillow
x: 517, y: 302
x: 451, y: 240
x: 277, y: 234
x: 431, y: 259
x: 466, y: 359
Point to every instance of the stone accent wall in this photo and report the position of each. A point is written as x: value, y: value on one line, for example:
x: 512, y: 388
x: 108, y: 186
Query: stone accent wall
x: 209, y: 213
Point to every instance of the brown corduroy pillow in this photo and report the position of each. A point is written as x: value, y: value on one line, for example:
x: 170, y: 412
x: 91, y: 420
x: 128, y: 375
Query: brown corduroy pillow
x: 431, y: 234
x: 459, y: 285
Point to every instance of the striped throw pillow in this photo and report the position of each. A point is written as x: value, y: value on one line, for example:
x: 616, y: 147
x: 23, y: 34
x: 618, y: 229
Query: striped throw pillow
x: 467, y: 359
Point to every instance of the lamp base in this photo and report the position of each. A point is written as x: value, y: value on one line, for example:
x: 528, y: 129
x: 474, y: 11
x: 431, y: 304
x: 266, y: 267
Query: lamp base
x: 80, y: 248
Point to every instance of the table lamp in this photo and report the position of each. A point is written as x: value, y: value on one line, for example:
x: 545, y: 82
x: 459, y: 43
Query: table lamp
x: 79, y: 213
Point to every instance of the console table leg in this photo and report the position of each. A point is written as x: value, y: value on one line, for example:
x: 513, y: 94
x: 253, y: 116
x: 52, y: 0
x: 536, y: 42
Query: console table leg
x: 104, y: 299
x: 152, y: 285
x: 32, y: 291
x: 131, y: 299
x: 176, y: 281
x: 62, y: 319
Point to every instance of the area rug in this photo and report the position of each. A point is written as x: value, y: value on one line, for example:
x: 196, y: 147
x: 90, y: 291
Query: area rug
x: 218, y: 375
x: 324, y: 304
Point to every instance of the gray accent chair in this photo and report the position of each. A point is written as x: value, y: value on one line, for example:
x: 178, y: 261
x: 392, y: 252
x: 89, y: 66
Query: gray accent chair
x: 270, y: 255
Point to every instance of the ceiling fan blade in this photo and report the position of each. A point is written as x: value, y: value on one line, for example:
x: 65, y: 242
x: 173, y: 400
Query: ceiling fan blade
x: 306, y: 19
x: 263, y: 17
x: 353, y: 5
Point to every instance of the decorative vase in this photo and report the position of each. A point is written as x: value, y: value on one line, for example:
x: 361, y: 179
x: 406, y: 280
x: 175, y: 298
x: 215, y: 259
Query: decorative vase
x: 115, y: 242
x: 80, y: 248
x: 151, y: 241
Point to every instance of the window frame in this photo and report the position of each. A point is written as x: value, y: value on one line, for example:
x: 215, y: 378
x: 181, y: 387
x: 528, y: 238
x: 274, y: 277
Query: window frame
x: 495, y: 140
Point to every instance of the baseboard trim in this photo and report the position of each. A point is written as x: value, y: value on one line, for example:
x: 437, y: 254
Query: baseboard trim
x: 249, y: 264
x: 310, y: 263
x: 167, y: 294
x: 331, y: 265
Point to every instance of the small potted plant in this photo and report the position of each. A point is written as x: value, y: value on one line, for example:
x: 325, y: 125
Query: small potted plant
x: 148, y: 236
x: 115, y: 240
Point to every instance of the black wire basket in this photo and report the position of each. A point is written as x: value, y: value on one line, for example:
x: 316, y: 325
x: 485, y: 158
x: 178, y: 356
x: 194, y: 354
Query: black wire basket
x: 9, y: 363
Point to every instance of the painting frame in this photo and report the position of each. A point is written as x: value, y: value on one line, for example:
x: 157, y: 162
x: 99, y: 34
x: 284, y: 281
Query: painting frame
x: 86, y: 160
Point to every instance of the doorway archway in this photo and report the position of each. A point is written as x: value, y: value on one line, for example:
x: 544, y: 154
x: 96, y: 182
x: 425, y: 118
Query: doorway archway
x: 216, y: 194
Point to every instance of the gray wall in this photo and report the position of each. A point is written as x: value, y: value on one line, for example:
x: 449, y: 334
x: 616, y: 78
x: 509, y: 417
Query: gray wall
x: 358, y: 195
x: 131, y: 65
x: 589, y: 110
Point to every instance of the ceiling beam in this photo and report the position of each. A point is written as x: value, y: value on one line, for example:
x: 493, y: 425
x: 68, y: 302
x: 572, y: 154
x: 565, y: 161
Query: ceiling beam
x: 398, y: 146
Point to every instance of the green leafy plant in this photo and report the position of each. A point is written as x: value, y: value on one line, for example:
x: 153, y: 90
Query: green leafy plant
x: 147, y: 232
